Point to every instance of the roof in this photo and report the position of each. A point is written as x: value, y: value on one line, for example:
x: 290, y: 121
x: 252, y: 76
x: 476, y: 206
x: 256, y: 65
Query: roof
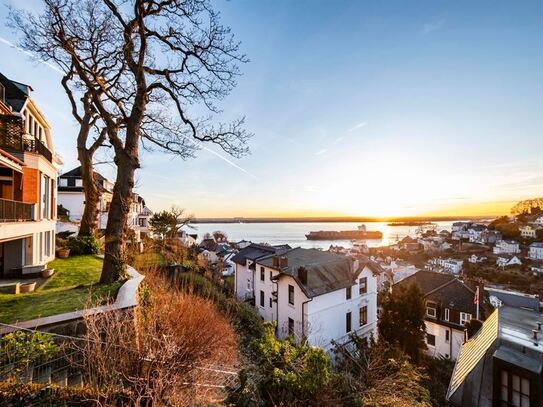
x: 255, y: 251
x: 537, y: 245
x: 506, y: 336
x: 16, y: 93
x: 209, y: 244
x: 326, y: 272
x: 471, y: 354
x: 446, y: 289
x: 76, y: 173
x: 427, y: 280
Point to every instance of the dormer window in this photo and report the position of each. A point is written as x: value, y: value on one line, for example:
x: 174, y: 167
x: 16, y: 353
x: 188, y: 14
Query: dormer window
x: 431, y: 309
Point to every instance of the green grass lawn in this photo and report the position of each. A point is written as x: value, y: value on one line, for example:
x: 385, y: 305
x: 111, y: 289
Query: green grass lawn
x: 73, y: 286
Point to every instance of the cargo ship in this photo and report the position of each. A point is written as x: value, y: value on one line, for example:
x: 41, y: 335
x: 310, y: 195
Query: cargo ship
x: 360, y: 233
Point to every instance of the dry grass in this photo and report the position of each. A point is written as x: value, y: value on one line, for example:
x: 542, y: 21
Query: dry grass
x: 171, y: 350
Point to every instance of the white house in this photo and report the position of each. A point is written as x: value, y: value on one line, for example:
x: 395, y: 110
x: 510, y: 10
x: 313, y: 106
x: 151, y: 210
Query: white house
x: 28, y: 179
x: 316, y: 295
x: 476, y: 259
x: 506, y: 247
x: 244, y: 267
x: 506, y: 261
x: 72, y: 197
x: 449, y: 305
x: 539, y: 221
x: 528, y: 232
x: 535, y: 251
x: 453, y: 266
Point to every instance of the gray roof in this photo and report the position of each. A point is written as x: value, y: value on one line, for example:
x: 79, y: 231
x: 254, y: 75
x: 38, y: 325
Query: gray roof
x: 255, y: 251
x: 326, y: 272
x: 16, y: 93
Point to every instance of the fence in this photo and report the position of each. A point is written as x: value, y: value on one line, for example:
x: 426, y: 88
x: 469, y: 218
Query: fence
x: 63, y: 364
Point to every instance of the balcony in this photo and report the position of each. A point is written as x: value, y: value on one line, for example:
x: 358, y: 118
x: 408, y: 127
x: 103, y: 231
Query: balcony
x: 15, y: 211
x: 14, y: 141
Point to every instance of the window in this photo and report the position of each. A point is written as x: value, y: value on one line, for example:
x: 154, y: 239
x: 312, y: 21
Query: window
x: 348, y: 322
x: 71, y: 182
x: 363, y: 289
x: 271, y: 276
x: 348, y: 293
x: 431, y: 339
x: 515, y: 390
x: 261, y: 298
x: 447, y: 336
x: 431, y: 309
x: 464, y: 317
x: 45, y: 197
x: 291, y: 294
x: 261, y: 273
x: 291, y: 326
x: 271, y: 302
x: 363, y: 315
x: 446, y: 314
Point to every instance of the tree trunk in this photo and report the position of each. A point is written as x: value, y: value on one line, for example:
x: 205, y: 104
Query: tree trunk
x: 115, y: 255
x: 91, y: 192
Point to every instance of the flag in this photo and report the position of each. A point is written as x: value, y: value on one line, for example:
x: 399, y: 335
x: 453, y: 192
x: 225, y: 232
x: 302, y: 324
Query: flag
x: 476, y: 298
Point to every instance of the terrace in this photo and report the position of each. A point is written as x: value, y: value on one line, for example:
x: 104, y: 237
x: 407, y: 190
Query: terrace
x: 14, y: 140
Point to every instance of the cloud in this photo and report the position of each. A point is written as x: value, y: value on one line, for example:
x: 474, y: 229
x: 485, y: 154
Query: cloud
x: 31, y: 55
x: 358, y: 126
x: 432, y: 26
x: 320, y: 152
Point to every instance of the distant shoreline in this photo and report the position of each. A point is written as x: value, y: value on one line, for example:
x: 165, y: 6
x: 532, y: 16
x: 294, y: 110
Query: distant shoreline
x: 340, y: 219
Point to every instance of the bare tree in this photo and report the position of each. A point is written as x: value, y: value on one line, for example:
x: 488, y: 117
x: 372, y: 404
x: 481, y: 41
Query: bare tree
x: 161, y: 57
x: 87, y: 120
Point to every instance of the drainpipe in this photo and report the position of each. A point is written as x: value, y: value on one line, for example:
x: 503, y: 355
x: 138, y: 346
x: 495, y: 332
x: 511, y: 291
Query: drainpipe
x: 303, y: 318
x: 450, y: 342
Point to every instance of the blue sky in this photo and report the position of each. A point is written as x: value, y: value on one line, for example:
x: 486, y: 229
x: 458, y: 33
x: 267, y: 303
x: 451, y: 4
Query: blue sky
x: 378, y: 108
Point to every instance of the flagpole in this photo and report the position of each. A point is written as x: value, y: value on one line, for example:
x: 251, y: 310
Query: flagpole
x: 477, y: 294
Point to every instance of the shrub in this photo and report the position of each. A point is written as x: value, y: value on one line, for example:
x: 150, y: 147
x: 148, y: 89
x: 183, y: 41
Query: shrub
x: 20, y: 349
x: 83, y: 245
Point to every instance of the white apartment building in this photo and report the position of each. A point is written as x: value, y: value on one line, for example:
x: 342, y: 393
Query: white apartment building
x: 316, y: 295
x: 506, y: 247
x: 28, y: 177
x: 535, y: 251
x: 453, y: 266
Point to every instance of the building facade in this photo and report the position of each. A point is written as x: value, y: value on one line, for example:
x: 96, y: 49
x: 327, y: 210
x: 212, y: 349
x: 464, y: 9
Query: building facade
x: 318, y: 296
x: 535, y: 251
x: 450, y: 303
x: 28, y: 179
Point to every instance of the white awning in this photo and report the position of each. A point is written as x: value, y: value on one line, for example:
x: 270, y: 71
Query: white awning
x: 7, y: 160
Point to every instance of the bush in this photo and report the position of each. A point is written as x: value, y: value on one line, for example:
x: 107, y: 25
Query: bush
x: 83, y: 245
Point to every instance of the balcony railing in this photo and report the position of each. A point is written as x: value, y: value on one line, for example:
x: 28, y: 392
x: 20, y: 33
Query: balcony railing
x: 15, y: 211
x: 13, y: 140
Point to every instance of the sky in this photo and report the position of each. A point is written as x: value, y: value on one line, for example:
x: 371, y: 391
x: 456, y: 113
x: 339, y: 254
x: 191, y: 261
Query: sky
x: 358, y: 108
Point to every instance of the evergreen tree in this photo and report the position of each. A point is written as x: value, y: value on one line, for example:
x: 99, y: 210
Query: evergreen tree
x: 402, y: 320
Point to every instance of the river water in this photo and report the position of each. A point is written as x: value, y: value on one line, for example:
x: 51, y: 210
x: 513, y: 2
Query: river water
x: 294, y: 233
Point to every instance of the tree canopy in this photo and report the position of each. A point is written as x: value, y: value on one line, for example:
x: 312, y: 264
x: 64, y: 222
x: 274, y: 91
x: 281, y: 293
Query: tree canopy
x: 402, y: 320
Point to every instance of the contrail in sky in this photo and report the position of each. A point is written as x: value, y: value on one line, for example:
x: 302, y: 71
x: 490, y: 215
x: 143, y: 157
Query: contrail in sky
x: 30, y: 54
x: 53, y: 67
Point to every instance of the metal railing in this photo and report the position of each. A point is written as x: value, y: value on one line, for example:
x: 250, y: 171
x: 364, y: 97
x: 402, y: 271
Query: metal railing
x: 15, y: 211
x: 14, y: 140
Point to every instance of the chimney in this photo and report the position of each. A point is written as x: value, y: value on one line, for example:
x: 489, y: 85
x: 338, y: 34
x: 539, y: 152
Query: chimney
x: 280, y: 262
x: 539, y: 326
x: 535, y: 332
x: 302, y: 275
x: 465, y: 335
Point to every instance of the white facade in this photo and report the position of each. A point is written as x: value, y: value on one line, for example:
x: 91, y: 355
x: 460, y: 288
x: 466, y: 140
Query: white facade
x: 535, y: 251
x: 508, y: 261
x: 506, y: 247
x: 452, y: 266
x: 528, y: 232
x: 243, y: 277
x: 27, y: 243
x: 321, y: 319
x: 443, y: 341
